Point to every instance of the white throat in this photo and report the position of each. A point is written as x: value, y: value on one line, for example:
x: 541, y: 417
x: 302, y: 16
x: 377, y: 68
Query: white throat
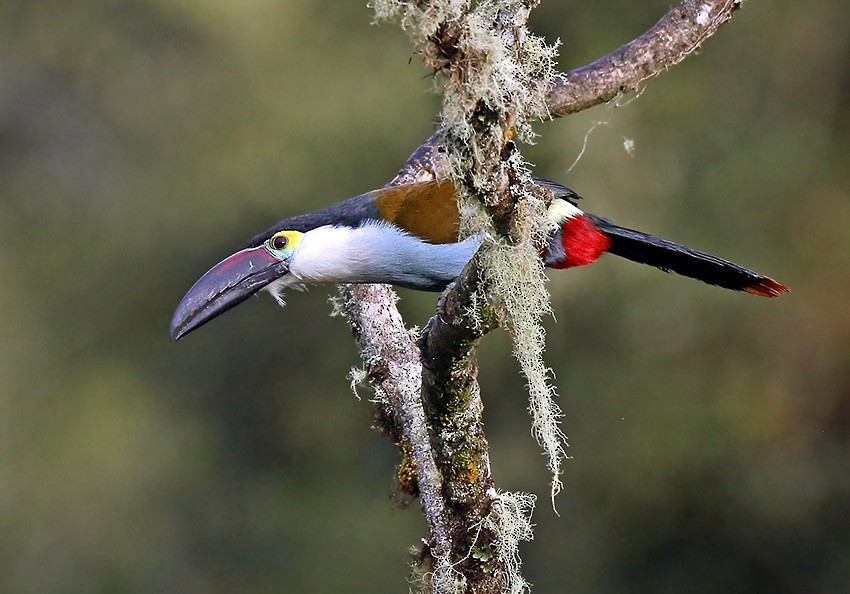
x: 375, y: 252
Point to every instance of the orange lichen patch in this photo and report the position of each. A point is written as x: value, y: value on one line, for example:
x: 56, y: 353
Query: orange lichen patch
x: 427, y: 210
x: 406, y: 473
x: 473, y: 473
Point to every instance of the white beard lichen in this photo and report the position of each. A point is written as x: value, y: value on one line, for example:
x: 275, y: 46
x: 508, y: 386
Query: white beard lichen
x: 516, y: 279
x: 510, y: 520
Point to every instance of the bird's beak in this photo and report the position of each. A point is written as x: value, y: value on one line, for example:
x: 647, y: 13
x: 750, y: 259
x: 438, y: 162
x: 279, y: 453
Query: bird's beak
x: 228, y: 283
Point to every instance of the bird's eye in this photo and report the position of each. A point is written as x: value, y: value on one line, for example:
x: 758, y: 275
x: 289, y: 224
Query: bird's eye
x: 279, y: 242
x: 284, y: 243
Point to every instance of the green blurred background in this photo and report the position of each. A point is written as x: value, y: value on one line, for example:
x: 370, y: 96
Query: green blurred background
x: 143, y: 140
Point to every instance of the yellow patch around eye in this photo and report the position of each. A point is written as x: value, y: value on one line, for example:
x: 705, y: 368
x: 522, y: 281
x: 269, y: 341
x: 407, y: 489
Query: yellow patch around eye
x: 285, y: 240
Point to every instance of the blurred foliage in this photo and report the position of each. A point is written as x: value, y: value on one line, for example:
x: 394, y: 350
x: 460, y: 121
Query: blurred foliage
x: 143, y: 140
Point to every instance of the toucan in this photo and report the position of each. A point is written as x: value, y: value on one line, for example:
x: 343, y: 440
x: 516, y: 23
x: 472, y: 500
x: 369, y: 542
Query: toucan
x: 407, y: 235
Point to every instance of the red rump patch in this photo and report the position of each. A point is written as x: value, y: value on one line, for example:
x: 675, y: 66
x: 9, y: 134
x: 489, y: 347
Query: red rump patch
x: 583, y: 242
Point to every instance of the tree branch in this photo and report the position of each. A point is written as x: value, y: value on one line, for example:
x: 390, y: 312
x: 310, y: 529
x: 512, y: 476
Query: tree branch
x: 392, y: 365
x: 678, y: 34
x: 442, y: 426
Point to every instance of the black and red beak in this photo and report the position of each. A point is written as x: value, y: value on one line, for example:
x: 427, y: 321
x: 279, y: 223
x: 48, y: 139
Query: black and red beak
x: 228, y: 283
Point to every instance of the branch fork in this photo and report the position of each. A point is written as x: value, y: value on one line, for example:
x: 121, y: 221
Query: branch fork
x: 430, y: 394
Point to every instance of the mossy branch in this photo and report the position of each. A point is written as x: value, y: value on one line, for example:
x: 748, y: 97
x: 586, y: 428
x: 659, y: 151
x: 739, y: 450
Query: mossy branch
x: 436, y: 411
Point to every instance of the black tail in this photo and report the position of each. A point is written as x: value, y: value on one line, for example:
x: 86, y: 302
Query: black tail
x: 671, y: 257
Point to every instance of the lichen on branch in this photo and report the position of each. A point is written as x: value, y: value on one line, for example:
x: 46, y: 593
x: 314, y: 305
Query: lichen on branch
x: 496, y: 77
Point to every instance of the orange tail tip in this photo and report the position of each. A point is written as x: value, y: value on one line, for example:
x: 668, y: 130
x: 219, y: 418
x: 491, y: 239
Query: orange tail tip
x: 767, y: 287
